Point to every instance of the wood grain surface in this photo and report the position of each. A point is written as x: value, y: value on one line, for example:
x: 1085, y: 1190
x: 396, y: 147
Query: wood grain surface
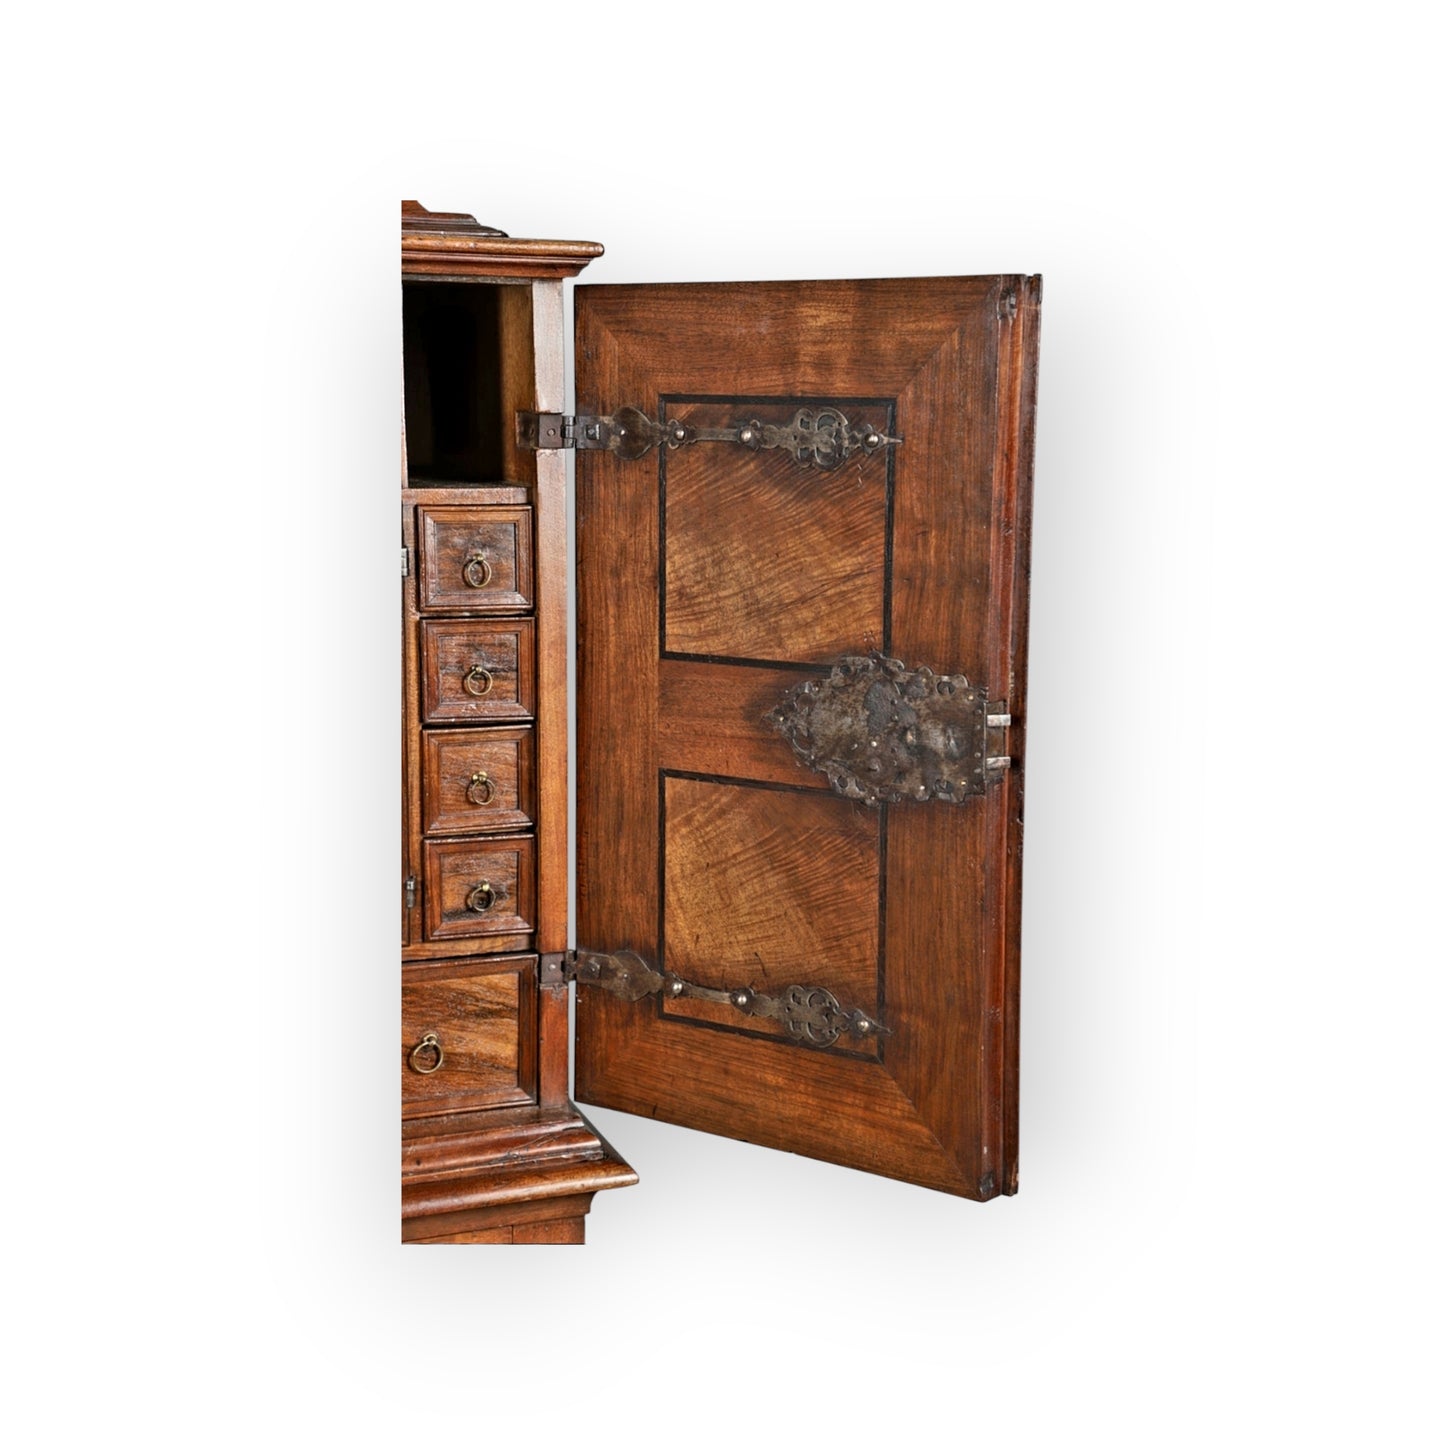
x: 502, y: 650
x: 454, y: 871
x: 767, y: 559
x: 474, y: 1016
x: 453, y: 803
x: 742, y: 560
x: 451, y: 537
x: 493, y: 1151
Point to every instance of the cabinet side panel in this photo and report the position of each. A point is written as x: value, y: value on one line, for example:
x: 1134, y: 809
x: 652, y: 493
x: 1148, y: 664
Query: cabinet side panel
x: 519, y: 333
x: 1026, y: 382
x: 410, y: 881
x: 552, y: 582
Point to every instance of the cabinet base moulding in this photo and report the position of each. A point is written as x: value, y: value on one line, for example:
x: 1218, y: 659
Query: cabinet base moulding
x: 528, y: 1179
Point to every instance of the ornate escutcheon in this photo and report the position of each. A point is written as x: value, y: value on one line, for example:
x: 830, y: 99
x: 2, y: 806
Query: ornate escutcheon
x: 882, y: 732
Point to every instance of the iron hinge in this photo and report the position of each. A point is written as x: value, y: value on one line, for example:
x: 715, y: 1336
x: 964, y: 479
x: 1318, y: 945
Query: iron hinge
x: 819, y: 436
x: 545, y: 430
x: 406, y: 561
x: 411, y: 892
x: 809, y: 1013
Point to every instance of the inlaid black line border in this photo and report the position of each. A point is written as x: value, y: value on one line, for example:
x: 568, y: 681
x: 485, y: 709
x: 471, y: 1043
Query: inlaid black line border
x: 890, y: 407
x: 722, y: 780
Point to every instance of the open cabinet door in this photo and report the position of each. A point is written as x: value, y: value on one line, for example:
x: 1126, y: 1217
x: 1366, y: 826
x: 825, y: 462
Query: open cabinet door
x: 801, y: 624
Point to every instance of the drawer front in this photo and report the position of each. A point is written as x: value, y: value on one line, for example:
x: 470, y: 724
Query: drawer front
x: 475, y: 559
x: 460, y: 1039
x: 479, y: 888
x: 477, y: 671
x: 477, y: 780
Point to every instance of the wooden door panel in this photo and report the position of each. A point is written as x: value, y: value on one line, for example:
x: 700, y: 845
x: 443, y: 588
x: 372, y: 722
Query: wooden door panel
x: 765, y: 559
x: 712, y: 718
x: 712, y: 580
x: 763, y: 886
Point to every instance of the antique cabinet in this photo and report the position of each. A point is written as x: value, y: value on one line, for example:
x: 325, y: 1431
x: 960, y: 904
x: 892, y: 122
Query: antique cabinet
x: 802, y: 518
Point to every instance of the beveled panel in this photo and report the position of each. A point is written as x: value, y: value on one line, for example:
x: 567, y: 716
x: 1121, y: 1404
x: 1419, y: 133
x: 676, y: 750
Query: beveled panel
x: 477, y: 671
x: 712, y: 717
x: 477, y: 780
x: 474, y: 1017
x: 765, y: 888
x: 474, y: 559
x: 765, y: 558
x: 460, y: 877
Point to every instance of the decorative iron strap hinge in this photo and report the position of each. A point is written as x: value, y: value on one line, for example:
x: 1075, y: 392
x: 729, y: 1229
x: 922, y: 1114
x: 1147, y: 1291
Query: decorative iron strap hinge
x: 821, y: 436
x: 811, y: 1014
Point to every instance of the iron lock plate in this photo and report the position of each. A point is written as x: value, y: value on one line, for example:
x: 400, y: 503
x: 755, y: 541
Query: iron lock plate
x: 882, y: 732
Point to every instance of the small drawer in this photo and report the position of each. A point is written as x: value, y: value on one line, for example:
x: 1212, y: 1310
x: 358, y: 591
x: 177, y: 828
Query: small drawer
x: 477, y: 780
x: 476, y: 671
x: 475, y: 559
x: 479, y: 888
x: 460, y: 1038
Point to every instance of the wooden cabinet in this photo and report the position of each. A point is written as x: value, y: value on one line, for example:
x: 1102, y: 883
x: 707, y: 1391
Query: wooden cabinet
x: 802, y: 542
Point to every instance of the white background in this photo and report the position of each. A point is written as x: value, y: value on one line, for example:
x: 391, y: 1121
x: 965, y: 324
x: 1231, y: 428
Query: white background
x: 1232, y: 962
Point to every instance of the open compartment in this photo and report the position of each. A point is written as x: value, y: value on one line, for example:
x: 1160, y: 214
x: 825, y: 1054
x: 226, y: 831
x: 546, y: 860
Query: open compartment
x: 468, y: 369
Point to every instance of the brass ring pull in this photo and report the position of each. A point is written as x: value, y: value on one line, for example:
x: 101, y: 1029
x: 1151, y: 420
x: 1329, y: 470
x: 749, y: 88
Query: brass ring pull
x: 478, y: 682
x: 476, y: 570
x: 480, y: 790
x: 429, y: 1044
x: 481, y: 897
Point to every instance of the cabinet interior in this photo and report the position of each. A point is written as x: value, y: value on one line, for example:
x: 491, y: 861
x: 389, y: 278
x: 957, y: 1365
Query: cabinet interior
x: 468, y: 369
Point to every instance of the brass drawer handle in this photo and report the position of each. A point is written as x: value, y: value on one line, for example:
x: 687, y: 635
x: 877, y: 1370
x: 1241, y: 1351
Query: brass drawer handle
x: 480, y: 790
x: 481, y: 897
x: 429, y: 1044
x: 478, y: 682
x: 476, y: 570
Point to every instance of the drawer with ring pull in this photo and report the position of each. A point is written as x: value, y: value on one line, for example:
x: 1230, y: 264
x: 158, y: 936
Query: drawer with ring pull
x: 462, y: 1041
x: 474, y: 559
x: 477, y: 671
x: 479, y: 887
x: 477, y: 780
